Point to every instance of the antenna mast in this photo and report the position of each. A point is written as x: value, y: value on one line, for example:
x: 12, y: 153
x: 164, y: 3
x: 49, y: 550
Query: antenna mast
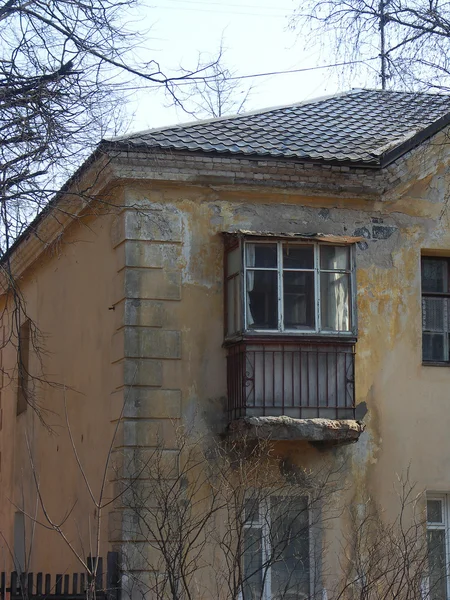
x: 383, y: 55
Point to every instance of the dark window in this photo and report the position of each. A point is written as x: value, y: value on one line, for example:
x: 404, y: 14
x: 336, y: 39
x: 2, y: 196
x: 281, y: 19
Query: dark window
x: 435, y: 309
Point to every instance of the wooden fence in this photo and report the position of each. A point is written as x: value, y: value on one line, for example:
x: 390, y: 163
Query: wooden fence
x: 62, y: 586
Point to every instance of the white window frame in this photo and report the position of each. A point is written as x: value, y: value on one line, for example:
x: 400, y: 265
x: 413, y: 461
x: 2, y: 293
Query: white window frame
x: 443, y: 526
x: 264, y: 516
x: 317, y: 271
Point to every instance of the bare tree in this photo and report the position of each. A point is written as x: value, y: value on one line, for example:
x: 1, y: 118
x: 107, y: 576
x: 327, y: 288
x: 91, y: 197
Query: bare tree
x: 62, y: 65
x: 235, y: 519
x: 398, y: 43
x: 219, y: 94
x: 223, y: 520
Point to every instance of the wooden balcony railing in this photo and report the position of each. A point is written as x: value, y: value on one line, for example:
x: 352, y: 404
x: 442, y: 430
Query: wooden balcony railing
x: 300, y: 379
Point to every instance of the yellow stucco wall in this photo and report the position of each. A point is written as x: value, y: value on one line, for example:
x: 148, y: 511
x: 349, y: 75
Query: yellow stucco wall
x: 160, y: 265
x: 68, y: 293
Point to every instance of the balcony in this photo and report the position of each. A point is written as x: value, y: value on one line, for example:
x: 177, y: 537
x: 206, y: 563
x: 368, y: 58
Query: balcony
x: 293, y: 390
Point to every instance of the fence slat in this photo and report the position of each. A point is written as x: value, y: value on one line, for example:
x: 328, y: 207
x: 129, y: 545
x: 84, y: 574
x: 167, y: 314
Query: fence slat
x: 13, y: 583
x: 58, y: 584
x: 65, y: 586
x: 39, y: 584
x: 30, y: 584
x: 48, y: 584
x: 75, y: 584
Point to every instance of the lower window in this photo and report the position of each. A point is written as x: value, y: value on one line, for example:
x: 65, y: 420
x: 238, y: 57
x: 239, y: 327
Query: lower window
x: 438, y: 525
x: 276, y: 553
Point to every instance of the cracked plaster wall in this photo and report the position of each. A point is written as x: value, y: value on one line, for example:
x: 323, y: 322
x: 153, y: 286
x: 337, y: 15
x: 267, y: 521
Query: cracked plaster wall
x: 174, y: 274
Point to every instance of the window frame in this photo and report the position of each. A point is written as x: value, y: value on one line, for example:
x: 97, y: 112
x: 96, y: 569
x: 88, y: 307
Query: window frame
x: 446, y: 259
x: 242, y: 242
x: 443, y: 526
x: 264, y: 523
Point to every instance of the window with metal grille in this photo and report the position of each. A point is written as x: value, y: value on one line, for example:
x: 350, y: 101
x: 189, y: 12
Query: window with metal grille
x: 435, y: 310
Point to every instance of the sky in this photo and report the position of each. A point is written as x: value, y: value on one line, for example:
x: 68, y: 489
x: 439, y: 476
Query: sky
x: 257, y: 39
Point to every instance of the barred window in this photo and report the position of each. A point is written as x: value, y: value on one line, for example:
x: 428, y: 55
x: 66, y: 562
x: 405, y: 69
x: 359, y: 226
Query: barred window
x: 435, y: 309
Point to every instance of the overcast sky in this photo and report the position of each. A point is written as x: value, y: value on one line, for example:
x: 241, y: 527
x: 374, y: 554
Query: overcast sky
x: 258, y: 40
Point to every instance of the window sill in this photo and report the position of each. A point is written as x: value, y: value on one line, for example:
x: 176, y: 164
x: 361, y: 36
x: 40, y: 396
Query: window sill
x: 291, y: 337
x: 435, y: 364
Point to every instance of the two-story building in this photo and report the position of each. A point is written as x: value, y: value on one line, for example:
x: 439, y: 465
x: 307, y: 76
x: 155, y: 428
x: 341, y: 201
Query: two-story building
x: 280, y: 277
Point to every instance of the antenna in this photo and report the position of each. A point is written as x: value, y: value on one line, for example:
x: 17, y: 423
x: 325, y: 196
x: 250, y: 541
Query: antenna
x: 383, y: 56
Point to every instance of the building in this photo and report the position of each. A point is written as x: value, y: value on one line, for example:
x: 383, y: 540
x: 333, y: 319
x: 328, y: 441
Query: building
x: 281, y: 276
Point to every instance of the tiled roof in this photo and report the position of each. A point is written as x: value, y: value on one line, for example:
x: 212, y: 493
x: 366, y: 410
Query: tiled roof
x: 359, y: 127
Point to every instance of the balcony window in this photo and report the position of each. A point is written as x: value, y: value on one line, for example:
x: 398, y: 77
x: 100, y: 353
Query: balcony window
x: 290, y: 328
x: 289, y: 287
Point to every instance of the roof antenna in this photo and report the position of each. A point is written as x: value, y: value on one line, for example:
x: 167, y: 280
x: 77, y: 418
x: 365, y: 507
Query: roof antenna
x: 384, y: 18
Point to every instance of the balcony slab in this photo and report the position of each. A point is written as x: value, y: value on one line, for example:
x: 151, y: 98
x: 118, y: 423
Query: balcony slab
x: 282, y: 428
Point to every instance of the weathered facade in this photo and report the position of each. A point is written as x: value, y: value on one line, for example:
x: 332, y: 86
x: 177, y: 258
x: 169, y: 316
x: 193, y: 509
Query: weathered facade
x: 141, y: 330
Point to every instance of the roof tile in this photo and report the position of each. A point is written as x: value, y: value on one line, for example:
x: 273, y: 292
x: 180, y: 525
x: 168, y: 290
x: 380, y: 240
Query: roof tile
x: 355, y: 127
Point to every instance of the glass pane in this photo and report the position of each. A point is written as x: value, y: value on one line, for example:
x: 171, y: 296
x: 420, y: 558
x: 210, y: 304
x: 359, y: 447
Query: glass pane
x: 435, y: 347
x: 335, y: 301
x: 298, y: 299
x: 290, y: 548
x: 334, y: 257
x: 262, y: 299
x: 298, y: 257
x: 233, y: 261
x: 434, y: 511
x: 434, y: 275
x: 252, y: 567
x: 435, y: 314
x: 437, y: 564
x: 251, y: 511
x: 261, y: 255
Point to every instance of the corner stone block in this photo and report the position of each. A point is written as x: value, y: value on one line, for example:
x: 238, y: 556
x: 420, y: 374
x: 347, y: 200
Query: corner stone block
x: 149, y: 403
x: 150, y: 255
x: 134, y: 524
x: 136, y: 372
x: 161, y: 433
x: 142, y: 556
x: 142, y: 492
x: 152, y: 464
x: 145, y: 342
x: 153, y: 225
x: 149, y: 313
x: 156, y: 284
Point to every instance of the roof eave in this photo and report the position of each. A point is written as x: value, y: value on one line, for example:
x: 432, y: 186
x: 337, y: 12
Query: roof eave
x: 369, y: 164
x: 392, y: 155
